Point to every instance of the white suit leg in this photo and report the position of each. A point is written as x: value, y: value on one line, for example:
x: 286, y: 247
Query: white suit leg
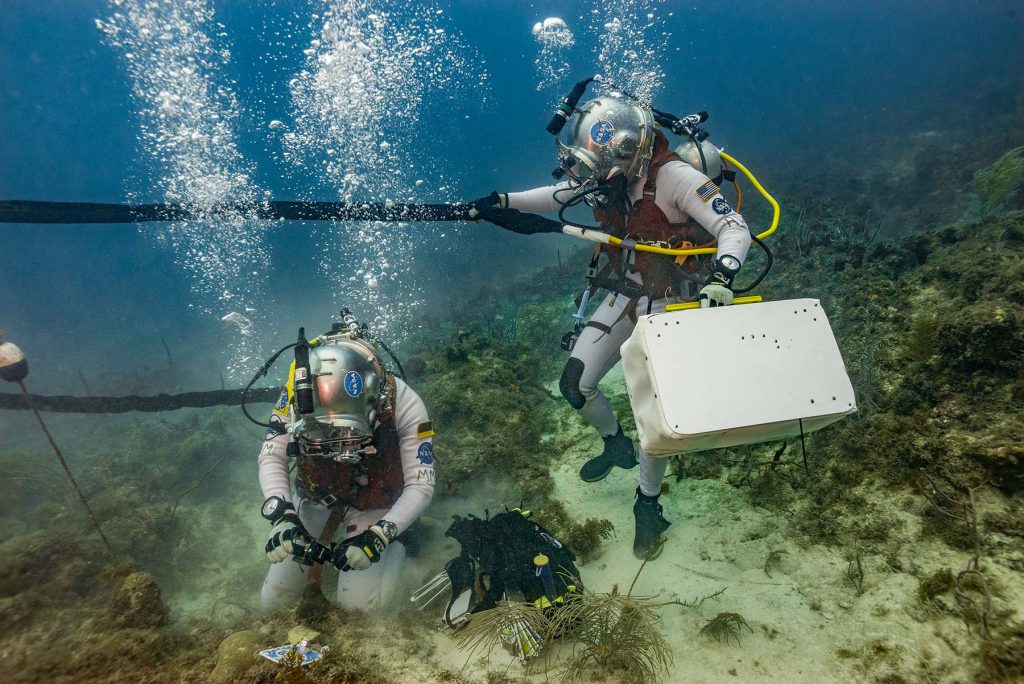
x: 595, y: 353
x: 285, y: 580
x: 372, y: 589
x: 652, y: 472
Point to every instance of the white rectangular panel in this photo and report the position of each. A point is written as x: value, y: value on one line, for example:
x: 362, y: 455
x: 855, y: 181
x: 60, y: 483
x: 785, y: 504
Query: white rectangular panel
x: 711, y: 378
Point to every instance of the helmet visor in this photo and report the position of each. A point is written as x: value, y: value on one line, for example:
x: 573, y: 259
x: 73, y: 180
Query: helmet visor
x: 342, y: 443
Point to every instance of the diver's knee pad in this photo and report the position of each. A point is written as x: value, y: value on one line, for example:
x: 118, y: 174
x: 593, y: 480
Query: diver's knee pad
x: 569, y: 383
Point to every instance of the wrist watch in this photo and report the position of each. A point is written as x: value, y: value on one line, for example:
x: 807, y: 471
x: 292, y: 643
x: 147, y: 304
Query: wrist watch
x: 389, y: 529
x: 274, y: 508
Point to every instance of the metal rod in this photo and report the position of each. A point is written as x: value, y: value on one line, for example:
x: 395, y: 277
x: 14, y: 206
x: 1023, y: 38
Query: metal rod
x: 64, y: 463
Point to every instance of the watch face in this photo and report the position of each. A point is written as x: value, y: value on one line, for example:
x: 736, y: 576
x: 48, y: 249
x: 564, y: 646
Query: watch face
x: 271, y: 507
x: 390, y: 529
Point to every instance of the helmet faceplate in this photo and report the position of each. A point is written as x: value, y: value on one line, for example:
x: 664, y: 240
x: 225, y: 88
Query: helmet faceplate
x: 607, y: 135
x: 350, y: 384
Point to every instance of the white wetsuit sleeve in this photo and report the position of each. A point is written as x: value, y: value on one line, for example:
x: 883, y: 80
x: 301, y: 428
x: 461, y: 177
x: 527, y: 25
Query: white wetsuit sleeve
x: 683, y: 185
x: 539, y: 199
x: 273, y: 458
x: 417, y: 458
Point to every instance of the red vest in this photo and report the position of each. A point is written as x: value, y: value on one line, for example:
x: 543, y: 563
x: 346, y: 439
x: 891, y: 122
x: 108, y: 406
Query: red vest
x: 376, y: 482
x: 647, y: 222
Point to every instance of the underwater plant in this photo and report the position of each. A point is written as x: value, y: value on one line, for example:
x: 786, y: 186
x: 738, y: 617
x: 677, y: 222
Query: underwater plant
x: 972, y: 587
x: 935, y: 584
x: 292, y: 670
x: 724, y: 627
x: 996, y: 185
x: 614, y: 632
x: 855, y: 572
x: 584, y: 538
x: 773, y: 561
x: 505, y: 625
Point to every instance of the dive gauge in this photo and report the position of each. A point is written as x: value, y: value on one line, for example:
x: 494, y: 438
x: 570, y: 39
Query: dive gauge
x: 274, y: 508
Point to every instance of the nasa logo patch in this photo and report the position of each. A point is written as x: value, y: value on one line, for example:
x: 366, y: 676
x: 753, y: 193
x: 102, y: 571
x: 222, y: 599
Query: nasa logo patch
x: 426, y: 453
x: 353, y: 383
x: 601, y: 132
x: 275, y: 429
x: 721, y: 206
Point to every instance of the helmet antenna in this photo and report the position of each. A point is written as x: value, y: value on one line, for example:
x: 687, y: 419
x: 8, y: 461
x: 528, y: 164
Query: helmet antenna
x: 303, y: 376
x: 568, y: 105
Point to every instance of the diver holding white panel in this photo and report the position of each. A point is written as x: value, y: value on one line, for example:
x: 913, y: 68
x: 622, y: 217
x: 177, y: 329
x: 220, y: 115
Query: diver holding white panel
x: 616, y: 161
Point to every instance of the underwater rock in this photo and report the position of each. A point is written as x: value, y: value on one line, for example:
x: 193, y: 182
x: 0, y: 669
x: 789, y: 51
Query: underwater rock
x: 138, y: 602
x: 234, y: 655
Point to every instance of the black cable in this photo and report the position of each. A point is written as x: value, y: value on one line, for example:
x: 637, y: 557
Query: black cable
x: 700, y: 151
x: 764, y: 272
x: 803, y: 447
x: 574, y: 202
x: 259, y: 374
x: 401, y: 371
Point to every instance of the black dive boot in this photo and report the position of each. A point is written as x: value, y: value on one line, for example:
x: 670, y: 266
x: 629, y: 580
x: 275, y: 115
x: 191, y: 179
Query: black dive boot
x: 618, y: 451
x: 649, y: 526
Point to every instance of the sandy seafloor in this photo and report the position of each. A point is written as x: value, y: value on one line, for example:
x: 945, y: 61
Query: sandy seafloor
x: 807, y: 622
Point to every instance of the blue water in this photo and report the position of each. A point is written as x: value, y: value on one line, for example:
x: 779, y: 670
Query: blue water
x: 786, y: 84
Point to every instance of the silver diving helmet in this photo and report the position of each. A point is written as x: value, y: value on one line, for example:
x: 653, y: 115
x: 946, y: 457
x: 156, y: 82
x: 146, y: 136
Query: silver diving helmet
x: 607, y: 137
x: 351, y: 388
x: 703, y: 156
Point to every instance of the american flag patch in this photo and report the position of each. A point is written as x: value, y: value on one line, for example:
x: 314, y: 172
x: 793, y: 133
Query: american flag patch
x: 707, y: 191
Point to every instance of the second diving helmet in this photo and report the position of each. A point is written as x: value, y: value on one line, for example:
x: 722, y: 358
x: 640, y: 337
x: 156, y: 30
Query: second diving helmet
x: 703, y: 156
x: 608, y: 137
x: 350, y: 389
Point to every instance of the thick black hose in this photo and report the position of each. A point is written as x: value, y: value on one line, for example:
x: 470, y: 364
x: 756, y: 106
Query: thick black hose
x: 150, y: 404
x: 23, y: 211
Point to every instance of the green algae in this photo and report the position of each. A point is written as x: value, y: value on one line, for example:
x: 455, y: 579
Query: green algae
x: 997, y: 184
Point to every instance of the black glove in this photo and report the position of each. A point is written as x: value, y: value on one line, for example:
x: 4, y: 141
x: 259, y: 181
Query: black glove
x: 361, y: 550
x: 288, y: 537
x: 519, y: 222
x: 495, y: 199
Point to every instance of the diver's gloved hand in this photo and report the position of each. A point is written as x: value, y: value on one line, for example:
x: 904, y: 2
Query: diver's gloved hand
x: 288, y: 538
x: 518, y: 221
x: 496, y: 199
x: 360, y: 551
x: 717, y: 291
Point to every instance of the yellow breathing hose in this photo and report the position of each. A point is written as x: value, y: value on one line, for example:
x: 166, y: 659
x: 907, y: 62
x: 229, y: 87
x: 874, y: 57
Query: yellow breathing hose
x: 612, y: 240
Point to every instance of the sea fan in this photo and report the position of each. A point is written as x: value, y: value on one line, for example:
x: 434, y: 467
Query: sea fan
x: 614, y: 633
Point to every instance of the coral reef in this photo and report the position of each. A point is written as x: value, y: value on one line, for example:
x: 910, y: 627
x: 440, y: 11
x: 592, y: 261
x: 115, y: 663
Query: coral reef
x: 138, y: 602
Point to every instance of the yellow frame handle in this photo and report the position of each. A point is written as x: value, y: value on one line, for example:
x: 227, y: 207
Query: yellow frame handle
x: 683, y: 306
